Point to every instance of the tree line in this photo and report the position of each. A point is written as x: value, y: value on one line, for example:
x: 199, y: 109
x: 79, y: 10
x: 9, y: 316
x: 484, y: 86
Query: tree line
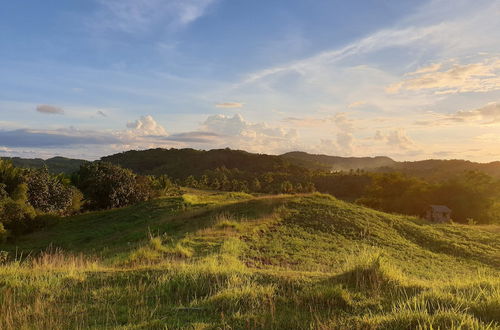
x: 473, y: 196
x: 30, y: 197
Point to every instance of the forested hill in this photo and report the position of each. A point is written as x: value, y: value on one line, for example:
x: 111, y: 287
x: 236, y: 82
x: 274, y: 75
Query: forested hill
x: 181, y: 163
x: 55, y: 165
x: 439, y: 169
x: 325, y: 162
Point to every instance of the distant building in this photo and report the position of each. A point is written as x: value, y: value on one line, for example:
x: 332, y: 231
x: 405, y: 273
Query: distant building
x: 438, y: 213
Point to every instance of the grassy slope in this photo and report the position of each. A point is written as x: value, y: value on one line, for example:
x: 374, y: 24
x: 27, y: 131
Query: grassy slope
x: 212, y: 260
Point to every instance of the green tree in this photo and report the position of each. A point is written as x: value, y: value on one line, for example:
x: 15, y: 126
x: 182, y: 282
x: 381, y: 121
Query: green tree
x: 49, y: 193
x: 10, y: 176
x: 256, y: 186
x: 105, y: 185
x: 15, y: 212
x: 191, y: 182
x: 286, y: 187
x: 215, y: 184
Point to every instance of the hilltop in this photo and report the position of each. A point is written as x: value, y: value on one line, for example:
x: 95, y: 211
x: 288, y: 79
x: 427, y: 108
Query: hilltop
x: 55, y: 164
x: 209, y: 260
x: 337, y: 163
x: 180, y: 163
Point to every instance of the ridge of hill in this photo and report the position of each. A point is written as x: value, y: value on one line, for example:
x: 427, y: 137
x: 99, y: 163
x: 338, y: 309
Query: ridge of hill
x: 55, y: 164
x: 180, y: 163
x: 210, y: 260
x: 337, y: 163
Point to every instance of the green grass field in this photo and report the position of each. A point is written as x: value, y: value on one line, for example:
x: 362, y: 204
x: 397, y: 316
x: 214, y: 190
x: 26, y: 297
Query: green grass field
x: 211, y: 260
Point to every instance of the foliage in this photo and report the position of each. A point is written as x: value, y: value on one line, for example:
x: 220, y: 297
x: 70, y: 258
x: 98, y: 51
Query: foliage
x: 10, y: 177
x: 16, y: 213
x: 3, y: 233
x: 105, y: 185
x: 50, y: 194
x: 163, y: 186
x: 55, y: 165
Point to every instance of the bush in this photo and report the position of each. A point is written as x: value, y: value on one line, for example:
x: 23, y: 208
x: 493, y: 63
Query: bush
x: 10, y: 176
x: 163, y: 186
x: 105, y: 186
x: 16, y: 215
x: 47, y: 193
x: 3, y: 233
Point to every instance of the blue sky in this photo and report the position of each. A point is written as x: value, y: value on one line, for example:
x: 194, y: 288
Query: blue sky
x: 407, y: 79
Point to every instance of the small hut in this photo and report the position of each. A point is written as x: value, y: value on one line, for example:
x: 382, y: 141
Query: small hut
x: 438, y: 213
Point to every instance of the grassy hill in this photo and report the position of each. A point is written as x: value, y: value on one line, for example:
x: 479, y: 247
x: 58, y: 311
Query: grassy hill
x: 210, y: 260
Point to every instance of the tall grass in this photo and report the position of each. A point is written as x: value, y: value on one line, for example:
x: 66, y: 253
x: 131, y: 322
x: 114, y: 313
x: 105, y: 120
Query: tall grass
x: 304, y: 263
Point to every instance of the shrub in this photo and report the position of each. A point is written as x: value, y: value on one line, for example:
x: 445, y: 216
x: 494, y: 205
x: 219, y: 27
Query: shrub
x: 3, y: 233
x: 10, y: 176
x: 49, y: 194
x: 4, y: 255
x: 16, y: 216
x: 105, y: 185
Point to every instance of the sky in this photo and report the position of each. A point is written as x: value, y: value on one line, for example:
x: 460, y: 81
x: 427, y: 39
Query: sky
x: 401, y: 78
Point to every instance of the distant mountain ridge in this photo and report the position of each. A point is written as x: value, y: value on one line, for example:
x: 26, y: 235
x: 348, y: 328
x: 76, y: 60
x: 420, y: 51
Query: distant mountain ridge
x: 54, y: 164
x: 337, y: 163
x: 430, y: 169
x: 179, y: 163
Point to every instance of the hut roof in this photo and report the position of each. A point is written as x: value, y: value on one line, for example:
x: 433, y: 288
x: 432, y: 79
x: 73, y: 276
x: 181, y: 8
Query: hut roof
x: 440, y: 208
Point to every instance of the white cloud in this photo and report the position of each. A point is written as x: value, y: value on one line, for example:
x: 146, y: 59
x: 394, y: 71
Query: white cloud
x: 49, y: 109
x: 396, y: 138
x: 146, y: 125
x: 257, y: 137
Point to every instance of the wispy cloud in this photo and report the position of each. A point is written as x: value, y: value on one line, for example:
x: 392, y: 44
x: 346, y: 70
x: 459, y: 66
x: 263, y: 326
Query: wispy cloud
x: 53, y: 138
x: 140, y: 16
x: 49, y: 109
x: 486, y: 115
x: 397, y: 138
x: 229, y: 105
x: 447, y: 78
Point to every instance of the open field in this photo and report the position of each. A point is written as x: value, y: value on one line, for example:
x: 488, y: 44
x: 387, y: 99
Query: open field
x: 211, y: 260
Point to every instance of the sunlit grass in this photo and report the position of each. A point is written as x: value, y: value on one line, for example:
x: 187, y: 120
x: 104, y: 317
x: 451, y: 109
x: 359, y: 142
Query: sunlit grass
x: 303, y: 262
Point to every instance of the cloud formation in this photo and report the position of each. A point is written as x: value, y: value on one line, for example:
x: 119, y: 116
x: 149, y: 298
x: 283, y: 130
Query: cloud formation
x: 443, y: 78
x: 485, y: 115
x: 396, y: 138
x: 53, y: 138
x: 140, y: 16
x: 489, y: 114
x: 194, y: 137
x: 229, y: 105
x: 49, y: 109
x: 257, y: 137
x: 146, y: 125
